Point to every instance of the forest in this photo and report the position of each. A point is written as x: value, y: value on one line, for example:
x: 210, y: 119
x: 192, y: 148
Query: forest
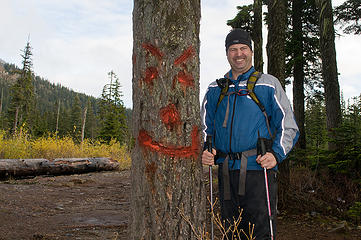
x: 323, y: 172
x: 41, y: 108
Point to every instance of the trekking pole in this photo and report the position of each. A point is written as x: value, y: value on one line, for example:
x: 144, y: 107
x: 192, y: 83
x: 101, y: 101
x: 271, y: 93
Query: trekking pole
x: 209, y: 141
x: 263, y: 152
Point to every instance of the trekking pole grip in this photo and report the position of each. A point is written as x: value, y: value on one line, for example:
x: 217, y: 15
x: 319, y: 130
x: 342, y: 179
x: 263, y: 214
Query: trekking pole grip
x: 209, y: 144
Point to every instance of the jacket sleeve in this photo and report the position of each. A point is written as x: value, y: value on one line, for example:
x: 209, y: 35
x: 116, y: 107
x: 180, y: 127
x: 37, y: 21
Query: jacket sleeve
x: 284, y: 121
x: 208, y: 109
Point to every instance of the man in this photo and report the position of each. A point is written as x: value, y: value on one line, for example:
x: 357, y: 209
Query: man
x: 235, y: 123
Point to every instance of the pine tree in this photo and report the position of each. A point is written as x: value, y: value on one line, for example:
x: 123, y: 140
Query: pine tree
x: 112, y: 111
x: 348, y: 16
x: 276, y: 42
x: 22, y: 93
x: 315, y: 122
x: 329, y: 69
x: 249, y: 18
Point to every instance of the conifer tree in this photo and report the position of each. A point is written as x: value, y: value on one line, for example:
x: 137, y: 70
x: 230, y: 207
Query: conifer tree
x: 329, y: 70
x: 166, y: 171
x: 249, y: 18
x: 348, y: 16
x: 112, y: 111
x: 22, y: 92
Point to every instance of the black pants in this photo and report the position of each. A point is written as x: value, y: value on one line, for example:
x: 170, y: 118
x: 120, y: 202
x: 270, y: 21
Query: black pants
x: 253, y: 203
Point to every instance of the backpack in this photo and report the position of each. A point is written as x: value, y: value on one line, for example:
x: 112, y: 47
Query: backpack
x: 223, y: 83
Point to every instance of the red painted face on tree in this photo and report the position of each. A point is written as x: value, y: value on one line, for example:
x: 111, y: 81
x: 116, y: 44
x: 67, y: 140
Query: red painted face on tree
x: 169, y: 114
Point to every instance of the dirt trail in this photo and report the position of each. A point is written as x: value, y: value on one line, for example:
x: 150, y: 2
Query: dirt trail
x: 96, y: 206
x: 86, y: 206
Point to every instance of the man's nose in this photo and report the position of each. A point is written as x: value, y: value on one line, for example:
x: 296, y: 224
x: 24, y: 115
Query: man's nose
x: 239, y: 52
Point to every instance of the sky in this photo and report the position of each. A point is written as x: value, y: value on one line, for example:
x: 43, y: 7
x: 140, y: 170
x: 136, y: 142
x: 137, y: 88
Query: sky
x: 77, y: 42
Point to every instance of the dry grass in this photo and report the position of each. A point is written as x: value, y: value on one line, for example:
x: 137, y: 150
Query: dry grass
x: 22, y: 147
x: 233, y: 232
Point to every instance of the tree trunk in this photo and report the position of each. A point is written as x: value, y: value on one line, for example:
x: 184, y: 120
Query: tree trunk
x: 166, y: 170
x: 276, y: 66
x: 83, y: 124
x: 329, y: 70
x: 57, y: 120
x: 257, y: 35
x: 276, y: 39
x: 35, y: 167
x: 298, y: 73
x: 16, y: 119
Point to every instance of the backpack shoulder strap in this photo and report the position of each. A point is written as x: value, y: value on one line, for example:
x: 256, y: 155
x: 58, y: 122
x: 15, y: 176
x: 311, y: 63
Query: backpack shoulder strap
x: 250, y: 86
x: 223, y: 83
x: 251, y: 83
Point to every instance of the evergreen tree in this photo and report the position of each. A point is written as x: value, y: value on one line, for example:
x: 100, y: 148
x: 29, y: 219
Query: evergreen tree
x: 348, y: 137
x: 257, y: 35
x: 22, y: 93
x: 249, y: 18
x: 112, y: 111
x: 276, y: 42
x: 348, y: 16
x: 329, y: 69
x: 298, y: 73
x: 166, y: 171
x: 315, y: 122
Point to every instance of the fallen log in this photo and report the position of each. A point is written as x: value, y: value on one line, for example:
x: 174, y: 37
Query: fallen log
x: 60, y: 166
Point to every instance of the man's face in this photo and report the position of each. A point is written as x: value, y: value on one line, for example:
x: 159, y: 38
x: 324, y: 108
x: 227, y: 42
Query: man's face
x: 240, y: 58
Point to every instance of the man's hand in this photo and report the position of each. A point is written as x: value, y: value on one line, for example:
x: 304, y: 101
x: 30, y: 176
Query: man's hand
x: 267, y: 161
x: 208, y: 158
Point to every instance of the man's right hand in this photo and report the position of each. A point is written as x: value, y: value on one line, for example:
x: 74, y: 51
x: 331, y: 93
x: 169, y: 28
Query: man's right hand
x: 208, y: 158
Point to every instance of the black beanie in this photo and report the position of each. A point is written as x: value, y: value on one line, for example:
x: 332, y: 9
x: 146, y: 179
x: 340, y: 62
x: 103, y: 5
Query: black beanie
x: 237, y: 36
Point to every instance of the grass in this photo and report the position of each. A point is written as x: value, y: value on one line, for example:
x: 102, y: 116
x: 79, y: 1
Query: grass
x: 22, y: 146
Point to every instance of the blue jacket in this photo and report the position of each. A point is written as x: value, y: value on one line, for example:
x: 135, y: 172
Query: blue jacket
x: 246, y: 119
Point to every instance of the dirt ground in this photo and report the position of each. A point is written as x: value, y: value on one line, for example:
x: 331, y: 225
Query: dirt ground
x: 96, y: 206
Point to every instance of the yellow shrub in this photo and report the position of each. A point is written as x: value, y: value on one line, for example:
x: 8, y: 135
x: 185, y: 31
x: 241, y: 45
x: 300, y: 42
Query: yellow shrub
x: 16, y: 147
x: 51, y: 147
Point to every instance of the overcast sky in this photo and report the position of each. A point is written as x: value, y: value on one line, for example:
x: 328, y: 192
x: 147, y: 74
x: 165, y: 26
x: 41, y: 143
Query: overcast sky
x: 77, y: 42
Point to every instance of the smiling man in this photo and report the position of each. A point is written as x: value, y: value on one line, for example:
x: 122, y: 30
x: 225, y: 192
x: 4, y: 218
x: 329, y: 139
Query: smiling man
x: 238, y: 123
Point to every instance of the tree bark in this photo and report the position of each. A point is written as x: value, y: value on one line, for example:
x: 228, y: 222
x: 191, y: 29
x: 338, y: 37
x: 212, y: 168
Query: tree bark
x: 298, y: 73
x: 329, y: 70
x: 276, y: 39
x: 276, y: 66
x: 166, y: 171
x: 257, y: 35
x: 59, y: 166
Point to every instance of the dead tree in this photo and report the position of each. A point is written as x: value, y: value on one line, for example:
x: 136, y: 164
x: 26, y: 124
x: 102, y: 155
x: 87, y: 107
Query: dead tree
x: 166, y: 168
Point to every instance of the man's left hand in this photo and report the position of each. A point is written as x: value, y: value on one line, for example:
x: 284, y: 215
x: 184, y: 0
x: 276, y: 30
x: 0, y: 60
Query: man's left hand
x: 267, y: 161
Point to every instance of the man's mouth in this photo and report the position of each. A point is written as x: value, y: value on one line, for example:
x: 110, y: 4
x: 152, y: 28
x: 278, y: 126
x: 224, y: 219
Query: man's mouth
x: 239, y: 60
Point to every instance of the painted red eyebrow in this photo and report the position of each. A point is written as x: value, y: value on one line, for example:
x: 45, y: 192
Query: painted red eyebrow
x: 153, y: 50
